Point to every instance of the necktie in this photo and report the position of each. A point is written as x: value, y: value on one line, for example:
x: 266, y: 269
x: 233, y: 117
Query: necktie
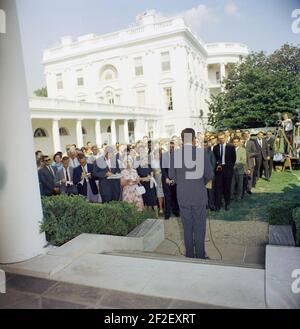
x: 51, y: 170
x: 67, y: 176
x: 221, y: 153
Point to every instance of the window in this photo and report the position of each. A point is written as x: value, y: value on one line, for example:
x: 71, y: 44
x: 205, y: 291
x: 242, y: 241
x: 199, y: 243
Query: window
x: 63, y: 132
x: 108, y: 76
x: 139, y: 66
x: 40, y: 132
x: 141, y: 101
x: 110, y: 98
x: 165, y: 61
x: 108, y: 73
x: 84, y: 132
x: 169, y: 98
x: 59, y: 81
x: 218, y: 76
x: 80, y: 78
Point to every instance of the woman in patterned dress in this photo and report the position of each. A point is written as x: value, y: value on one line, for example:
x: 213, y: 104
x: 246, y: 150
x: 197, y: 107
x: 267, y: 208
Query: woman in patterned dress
x: 129, y: 183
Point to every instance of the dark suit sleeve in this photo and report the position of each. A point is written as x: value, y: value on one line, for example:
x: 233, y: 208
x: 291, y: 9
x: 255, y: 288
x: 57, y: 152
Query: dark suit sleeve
x: 76, y: 176
x: 44, y: 180
x: 172, y: 170
x: 208, y: 169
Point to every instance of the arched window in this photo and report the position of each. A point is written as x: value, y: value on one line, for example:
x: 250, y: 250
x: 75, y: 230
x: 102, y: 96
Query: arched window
x: 40, y: 132
x: 109, y: 130
x: 108, y: 73
x: 84, y: 132
x: 64, y: 132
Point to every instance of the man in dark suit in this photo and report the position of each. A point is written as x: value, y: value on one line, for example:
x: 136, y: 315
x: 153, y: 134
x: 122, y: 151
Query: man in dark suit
x: 46, y: 175
x: 169, y: 186
x: 225, y: 160
x: 64, y: 178
x: 263, y: 156
x: 105, y: 167
x: 251, y: 153
x: 191, y: 170
x: 83, y: 177
x: 270, y: 139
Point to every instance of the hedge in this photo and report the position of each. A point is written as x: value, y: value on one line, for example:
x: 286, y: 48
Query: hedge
x: 296, y: 218
x: 67, y: 217
x: 281, y: 212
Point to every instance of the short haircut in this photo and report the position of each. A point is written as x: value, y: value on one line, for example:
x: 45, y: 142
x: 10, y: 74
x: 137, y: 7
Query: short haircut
x: 186, y: 133
x: 65, y: 158
x: 236, y: 138
x: 81, y: 156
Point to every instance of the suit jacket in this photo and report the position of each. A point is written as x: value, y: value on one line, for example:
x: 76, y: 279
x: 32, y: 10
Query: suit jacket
x: 271, y: 144
x: 241, y: 161
x: 101, y: 168
x: 191, y: 189
x: 263, y: 151
x: 82, y: 189
x: 47, y: 180
x: 60, y: 176
x: 230, y: 155
x: 251, y: 153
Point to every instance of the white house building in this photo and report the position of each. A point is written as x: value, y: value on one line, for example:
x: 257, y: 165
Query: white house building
x: 151, y: 79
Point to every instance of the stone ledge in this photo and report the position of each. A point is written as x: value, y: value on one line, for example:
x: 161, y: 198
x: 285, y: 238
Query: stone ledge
x: 281, y: 235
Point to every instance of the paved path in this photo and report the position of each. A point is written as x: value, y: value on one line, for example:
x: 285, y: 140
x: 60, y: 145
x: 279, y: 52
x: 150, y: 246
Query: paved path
x: 25, y: 292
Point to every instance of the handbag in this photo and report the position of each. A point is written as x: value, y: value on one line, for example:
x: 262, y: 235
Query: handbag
x: 140, y: 189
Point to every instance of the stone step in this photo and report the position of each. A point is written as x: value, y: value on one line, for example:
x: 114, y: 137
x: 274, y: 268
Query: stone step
x: 173, y: 258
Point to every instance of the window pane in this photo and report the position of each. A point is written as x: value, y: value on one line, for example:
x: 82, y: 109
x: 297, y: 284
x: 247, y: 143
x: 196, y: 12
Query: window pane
x: 169, y: 99
x: 166, y: 65
x: 138, y: 66
x: 59, y: 81
x: 141, y: 98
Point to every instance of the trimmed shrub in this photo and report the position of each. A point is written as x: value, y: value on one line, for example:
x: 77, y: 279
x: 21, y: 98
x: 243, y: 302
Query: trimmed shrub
x: 296, y: 218
x: 281, y: 212
x: 66, y: 217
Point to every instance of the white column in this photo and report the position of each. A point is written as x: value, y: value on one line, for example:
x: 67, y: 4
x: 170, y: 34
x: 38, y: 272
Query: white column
x: 126, y: 132
x: 139, y: 129
x: 222, y: 72
x: 113, y: 133
x: 20, y: 203
x: 79, y: 133
x: 98, y: 133
x: 56, y: 136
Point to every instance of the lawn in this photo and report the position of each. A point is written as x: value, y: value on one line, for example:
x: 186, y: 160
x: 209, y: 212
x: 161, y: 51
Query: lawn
x: 283, y: 186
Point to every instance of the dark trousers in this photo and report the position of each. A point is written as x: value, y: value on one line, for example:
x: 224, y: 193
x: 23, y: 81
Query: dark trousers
x: 223, y: 182
x: 110, y: 190
x: 289, y: 136
x: 194, y: 227
x: 263, y: 166
x: 171, y: 203
x: 237, y: 185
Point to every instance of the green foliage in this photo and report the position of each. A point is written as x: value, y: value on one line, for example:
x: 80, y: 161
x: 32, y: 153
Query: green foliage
x: 257, y: 89
x: 296, y: 219
x: 67, y: 217
x: 281, y: 213
x: 41, y: 92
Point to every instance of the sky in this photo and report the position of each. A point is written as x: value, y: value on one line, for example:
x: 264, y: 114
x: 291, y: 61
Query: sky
x: 261, y: 24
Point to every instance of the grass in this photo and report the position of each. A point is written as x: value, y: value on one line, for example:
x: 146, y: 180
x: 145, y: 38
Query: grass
x: 283, y: 186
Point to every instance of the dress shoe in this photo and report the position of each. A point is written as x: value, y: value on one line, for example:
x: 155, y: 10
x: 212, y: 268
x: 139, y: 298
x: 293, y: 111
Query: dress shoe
x: 167, y: 217
x: 249, y: 192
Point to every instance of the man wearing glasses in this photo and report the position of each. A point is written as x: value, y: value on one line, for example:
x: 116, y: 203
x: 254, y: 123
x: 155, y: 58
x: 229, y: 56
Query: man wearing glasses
x: 46, y: 175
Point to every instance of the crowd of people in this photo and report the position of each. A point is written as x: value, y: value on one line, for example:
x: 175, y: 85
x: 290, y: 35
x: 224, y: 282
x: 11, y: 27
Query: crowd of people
x: 135, y: 174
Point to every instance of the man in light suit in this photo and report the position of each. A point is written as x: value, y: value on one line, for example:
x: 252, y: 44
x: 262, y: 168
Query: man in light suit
x: 64, y: 178
x: 191, y: 170
x: 238, y: 170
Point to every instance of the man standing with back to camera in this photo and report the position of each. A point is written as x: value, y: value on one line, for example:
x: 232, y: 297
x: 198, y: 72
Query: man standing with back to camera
x: 191, y: 170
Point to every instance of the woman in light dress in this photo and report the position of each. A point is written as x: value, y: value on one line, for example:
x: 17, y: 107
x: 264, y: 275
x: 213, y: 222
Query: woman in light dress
x: 129, y: 182
x: 157, y: 174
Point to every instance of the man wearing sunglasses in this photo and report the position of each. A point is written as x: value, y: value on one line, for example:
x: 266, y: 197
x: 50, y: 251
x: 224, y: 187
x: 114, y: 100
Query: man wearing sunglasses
x: 46, y: 176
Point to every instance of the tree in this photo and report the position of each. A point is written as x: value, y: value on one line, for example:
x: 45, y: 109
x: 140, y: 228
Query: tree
x: 41, y: 92
x: 257, y: 89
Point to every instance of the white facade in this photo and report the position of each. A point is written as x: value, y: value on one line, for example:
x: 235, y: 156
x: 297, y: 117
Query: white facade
x: 151, y: 79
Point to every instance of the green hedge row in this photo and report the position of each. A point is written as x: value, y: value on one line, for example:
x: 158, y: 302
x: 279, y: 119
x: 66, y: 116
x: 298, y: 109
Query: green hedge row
x: 281, y: 212
x: 67, y: 217
x: 296, y: 219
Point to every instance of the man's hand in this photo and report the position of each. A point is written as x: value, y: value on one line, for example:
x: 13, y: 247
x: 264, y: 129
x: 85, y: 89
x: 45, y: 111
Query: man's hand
x: 268, y: 158
x: 108, y: 174
x: 56, y: 190
x: 168, y: 181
